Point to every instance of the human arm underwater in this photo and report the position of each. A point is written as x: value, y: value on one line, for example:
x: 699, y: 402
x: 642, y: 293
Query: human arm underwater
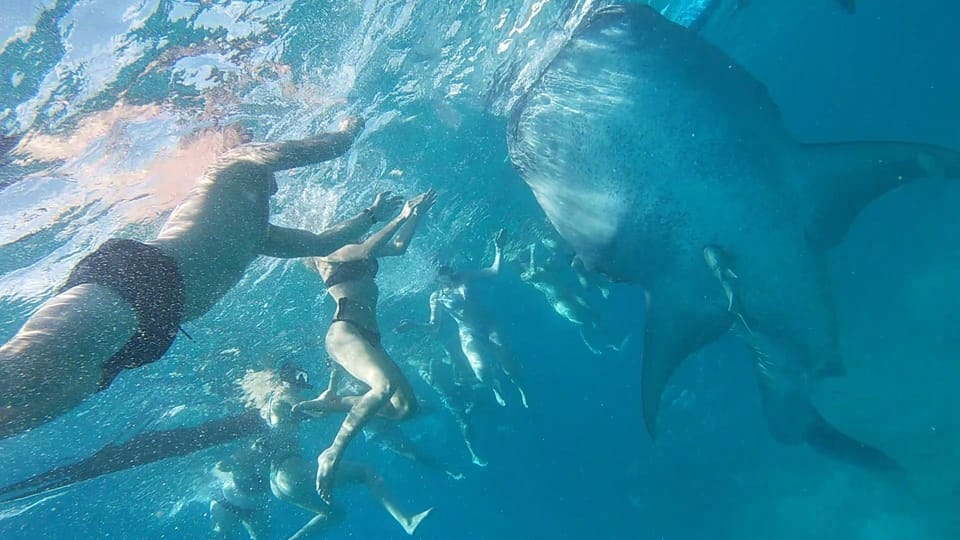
x: 406, y: 324
x: 379, y: 243
x: 291, y: 154
x: 286, y: 243
x: 490, y: 271
x: 418, y: 205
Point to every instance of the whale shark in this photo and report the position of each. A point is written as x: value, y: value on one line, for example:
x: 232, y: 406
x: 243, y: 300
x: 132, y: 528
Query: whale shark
x: 645, y: 145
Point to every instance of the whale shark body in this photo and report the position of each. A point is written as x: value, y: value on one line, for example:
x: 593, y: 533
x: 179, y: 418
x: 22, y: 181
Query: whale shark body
x: 644, y: 145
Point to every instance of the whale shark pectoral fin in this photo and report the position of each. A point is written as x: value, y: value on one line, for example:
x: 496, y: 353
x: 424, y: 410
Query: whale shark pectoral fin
x: 848, y: 176
x: 675, y: 329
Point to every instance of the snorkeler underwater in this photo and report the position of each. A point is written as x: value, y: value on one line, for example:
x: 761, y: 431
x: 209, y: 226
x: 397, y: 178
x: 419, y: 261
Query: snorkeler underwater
x: 524, y: 269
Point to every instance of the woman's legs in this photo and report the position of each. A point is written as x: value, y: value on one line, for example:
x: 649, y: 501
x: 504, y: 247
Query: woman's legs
x: 357, y: 473
x: 466, y: 430
x: 317, y: 523
x: 257, y: 525
x: 388, y: 389
x: 477, y: 351
x: 292, y: 481
x: 508, y: 364
x: 226, y: 524
x: 55, y: 360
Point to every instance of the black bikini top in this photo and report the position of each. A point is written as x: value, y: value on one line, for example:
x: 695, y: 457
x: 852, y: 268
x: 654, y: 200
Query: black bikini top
x: 351, y: 271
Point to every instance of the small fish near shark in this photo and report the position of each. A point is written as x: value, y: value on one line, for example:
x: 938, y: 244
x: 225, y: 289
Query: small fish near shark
x: 645, y: 146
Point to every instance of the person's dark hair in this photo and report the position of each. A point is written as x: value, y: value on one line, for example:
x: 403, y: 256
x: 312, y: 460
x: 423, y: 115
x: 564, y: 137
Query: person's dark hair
x: 294, y: 375
x: 445, y: 271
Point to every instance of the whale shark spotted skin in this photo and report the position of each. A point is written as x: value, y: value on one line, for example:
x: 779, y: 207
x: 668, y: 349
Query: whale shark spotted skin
x: 644, y: 145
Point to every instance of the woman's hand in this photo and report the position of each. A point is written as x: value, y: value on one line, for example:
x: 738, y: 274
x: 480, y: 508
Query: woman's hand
x: 419, y: 204
x: 498, y: 239
x: 385, y: 205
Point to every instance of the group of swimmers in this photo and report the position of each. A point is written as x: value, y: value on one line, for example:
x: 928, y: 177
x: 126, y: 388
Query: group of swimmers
x: 122, y: 306
x: 274, y: 463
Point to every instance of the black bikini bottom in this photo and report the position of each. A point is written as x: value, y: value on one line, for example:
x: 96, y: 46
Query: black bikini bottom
x: 242, y: 513
x: 371, y: 336
x: 150, y: 282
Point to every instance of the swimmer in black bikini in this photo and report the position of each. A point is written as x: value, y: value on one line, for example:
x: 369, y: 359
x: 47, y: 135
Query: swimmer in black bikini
x: 273, y: 394
x: 353, y: 340
x: 123, y: 304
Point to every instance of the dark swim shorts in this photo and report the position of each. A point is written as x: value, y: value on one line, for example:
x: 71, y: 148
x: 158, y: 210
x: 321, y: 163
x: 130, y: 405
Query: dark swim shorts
x: 151, y: 283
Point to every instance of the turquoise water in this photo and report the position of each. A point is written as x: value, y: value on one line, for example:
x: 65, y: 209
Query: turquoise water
x: 113, y: 98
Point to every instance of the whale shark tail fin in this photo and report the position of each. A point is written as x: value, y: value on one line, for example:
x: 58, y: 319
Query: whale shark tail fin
x: 793, y: 419
x: 831, y: 442
x: 845, y: 177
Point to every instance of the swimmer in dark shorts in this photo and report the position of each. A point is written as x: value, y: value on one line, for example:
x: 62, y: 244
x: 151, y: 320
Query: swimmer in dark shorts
x: 121, y: 307
x: 151, y: 283
x: 353, y: 340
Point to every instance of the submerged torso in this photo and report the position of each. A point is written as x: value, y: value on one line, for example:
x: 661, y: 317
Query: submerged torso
x: 218, y: 230
x: 560, y: 298
x: 455, y: 301
x: 353, y: 287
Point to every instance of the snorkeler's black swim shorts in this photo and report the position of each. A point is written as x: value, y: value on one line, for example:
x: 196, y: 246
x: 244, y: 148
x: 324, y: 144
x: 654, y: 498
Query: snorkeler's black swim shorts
x: 151, y: 282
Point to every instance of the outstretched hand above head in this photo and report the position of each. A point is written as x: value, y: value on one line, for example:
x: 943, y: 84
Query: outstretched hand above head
x: 498, y: 239
x: 385, y: 205
x: 419, y: 204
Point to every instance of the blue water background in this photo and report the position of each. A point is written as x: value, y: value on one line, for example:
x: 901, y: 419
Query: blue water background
x: 577, y: 464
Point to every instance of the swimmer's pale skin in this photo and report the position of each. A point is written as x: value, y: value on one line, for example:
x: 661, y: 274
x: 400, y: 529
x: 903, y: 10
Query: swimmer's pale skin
x: 55, y: 360
x: 292, y: 476
x: 479, y: 339
x: 567, y: 303
x: 389, y: 393
x: 452, y: 389
x: 227, y: 522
